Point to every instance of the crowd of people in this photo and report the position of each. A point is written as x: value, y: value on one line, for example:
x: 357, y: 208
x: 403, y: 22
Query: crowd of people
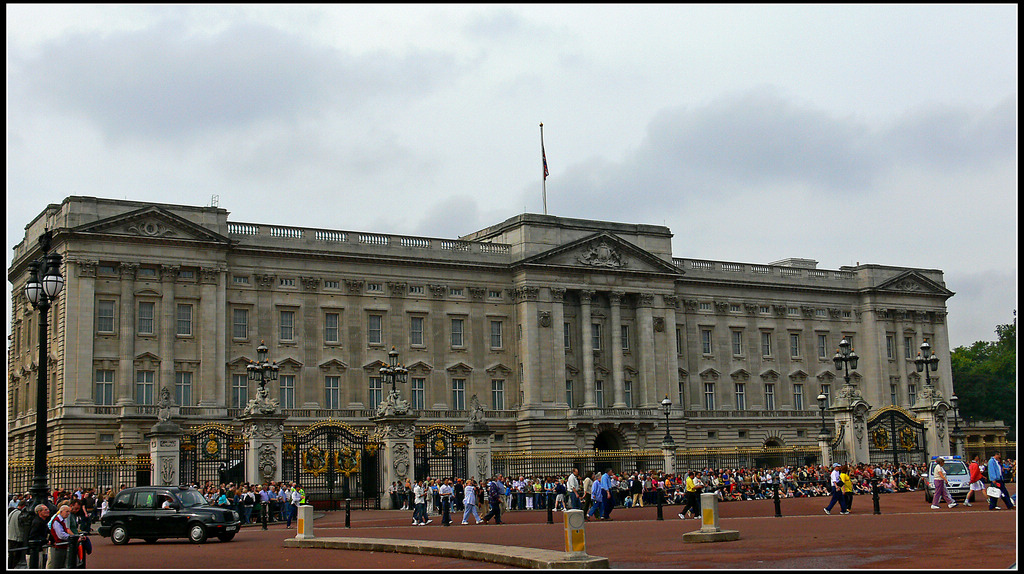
x: 73, y: 513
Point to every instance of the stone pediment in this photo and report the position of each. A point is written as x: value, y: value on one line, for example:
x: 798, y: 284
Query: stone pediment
x: 420, y: 367
x: 740, y: 375
x: 913, y: 282
x: 152, y: 222
x: 498, y: 368
x: 333, y: 365
x: 240, y: 361
x: 603, y: 252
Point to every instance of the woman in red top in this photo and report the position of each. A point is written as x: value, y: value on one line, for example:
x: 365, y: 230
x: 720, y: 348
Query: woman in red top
x: 977, y: 484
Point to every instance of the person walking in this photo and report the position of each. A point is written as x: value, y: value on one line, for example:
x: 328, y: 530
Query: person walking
x: 572, y: 484
x: 494, y: 490
x: 469, y: 501
x: 836, y: 484
x: 941, y: 482
x: 445, y: 491
x: 844, y: 475
x: 420, y: 495
x: 689, y: 498
x: 995, y: 477
x: 597, y: 496
x: 975, y: 477
x: 588, y: 498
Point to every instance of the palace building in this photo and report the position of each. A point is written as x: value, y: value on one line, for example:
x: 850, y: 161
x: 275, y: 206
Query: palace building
x: 570, y: 333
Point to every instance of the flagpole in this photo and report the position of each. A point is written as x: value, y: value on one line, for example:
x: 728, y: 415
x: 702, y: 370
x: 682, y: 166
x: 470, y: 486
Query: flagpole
x: 544, y: 168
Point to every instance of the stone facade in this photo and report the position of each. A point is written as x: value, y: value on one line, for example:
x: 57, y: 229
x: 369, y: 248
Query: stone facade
x: 570, y: 331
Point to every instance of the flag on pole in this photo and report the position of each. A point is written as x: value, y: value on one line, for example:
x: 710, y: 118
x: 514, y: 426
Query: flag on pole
x: 543, y: 156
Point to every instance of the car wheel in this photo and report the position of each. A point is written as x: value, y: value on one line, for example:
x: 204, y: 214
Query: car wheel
x: 226, y: 537
x: 197, y: 533
x: 119, y: 534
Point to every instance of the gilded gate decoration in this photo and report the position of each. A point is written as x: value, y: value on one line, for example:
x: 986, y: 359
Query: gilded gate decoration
x: 212, y: 452
x: 896, y: 437
x: 441, y: 452
x: 333, y: 461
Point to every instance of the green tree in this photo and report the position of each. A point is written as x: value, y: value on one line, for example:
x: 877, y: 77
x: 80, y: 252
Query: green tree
x: 985, y: 378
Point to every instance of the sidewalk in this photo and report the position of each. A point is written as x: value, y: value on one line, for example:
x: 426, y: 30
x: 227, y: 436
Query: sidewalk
x: 908, y: 534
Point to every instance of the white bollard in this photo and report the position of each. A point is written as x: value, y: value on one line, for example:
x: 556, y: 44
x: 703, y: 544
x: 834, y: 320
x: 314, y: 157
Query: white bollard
x: 709, y: 529
x: 304, y: 527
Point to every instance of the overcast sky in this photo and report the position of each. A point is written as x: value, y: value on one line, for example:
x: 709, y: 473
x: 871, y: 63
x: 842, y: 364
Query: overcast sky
x: 844, y: 134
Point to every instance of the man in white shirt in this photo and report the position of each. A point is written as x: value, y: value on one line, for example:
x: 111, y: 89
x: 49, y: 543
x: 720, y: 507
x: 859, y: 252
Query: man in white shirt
x: 836, y: 484
x: 445, y: 491
x: 572, y: 484
x: 419, y: 515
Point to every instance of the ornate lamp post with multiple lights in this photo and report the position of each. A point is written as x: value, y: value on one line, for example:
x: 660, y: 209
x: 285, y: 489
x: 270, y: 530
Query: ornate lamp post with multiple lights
x: 666, y: 407
x: 45, y: 282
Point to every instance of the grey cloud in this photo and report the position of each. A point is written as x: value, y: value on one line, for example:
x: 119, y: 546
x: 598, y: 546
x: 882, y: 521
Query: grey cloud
x: 761, y: 139
x: 165, y: 81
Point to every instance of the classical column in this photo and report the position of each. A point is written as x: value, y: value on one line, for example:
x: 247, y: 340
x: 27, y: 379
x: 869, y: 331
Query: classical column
x: 589, y: 395
x: 558, y: 343
x: 211, y: 383
x: 80, y: 310
x: 167, y: 325
x: 617, y: 376
x: 671, y: 376
x: 126, y: 336
x: 648, y: 380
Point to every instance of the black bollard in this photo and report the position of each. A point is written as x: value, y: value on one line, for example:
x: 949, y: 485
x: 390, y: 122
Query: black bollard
x: 874, y: 495
x: 33, y: 554
x: 551, y: 518
x: 778, y: 504
x: 72, y: 561
x: 348, y: 513
x: 661, y: 496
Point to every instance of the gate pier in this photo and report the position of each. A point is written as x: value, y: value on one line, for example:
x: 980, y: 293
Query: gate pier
x: 264, y: 437
x: 395, y: 433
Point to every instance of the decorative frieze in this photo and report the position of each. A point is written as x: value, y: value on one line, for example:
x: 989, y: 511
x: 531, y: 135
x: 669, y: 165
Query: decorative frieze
x: 354, y: 286
x: 209, y: 275
x: 310, y: 283
x: 398, y: 288
x: 438, y: 291
x: 265, y: 280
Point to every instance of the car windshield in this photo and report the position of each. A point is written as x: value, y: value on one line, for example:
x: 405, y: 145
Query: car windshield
x: 953, y: 468
x: 191, y: 498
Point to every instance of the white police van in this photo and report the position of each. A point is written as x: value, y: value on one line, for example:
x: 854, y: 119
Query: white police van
x: 956, y: 473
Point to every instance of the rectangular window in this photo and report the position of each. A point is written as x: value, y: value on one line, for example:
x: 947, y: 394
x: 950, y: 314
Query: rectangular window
x: 498, y: 395
x: 184, y: 320
x: 104, y: 387
x: 287, y: 325
x: 457, y: 332
x: 375, y: 287
x: 332, y: 324
x: 239, y: 390
x: 822, y: 346
x: 240, y: 324
x: 240, y: 280
x: 737, y: 342
x: 705, y: 341
x: 287, y: 391
x: 893, y: 394
x: 890, y: 347
x: 416, y: 331
x: 599, y: 394
x: 794, y: 345
x: 455, y: 291
x: 183, y: 388
x: 146, y: 310
x: 679, y: 341
x: 769, y: 396
x: 766, y: 344
x: 144, y: 382
x: 596, y: 336
x: 826, y: 390
x: 741, y: 396
x: 568, y: 394
x: 418, y: 393
x: 374, y: 330
x: 566, y: 336
x: 912, y: 393
x: 705, y: 306
x: 332, y: 393
x: 287, y: 282
x: 494, y: 294
x: 625, y: 337
x: 798, y: 397
x: 376, y: 391
x: 682, y: 389
x: 458, y: 394
x: 908, y: 347
x: 627, y: 389
x: 104, y: 317
x: 709, y: 396
x: 186, y: 274
x: 332, y: 284
x: 416, y: 290
x: 495, y: 334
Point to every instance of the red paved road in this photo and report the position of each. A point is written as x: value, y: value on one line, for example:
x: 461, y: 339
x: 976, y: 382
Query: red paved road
x: 908, y: 534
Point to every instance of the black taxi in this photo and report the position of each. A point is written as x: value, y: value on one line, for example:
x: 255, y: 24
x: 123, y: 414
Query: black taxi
x: 155, y: 512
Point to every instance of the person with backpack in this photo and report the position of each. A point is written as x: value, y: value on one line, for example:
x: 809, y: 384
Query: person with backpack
x: 494, y: 491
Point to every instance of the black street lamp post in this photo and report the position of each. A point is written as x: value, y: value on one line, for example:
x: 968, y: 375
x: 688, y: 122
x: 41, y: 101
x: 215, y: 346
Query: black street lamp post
x: 262, y: 370
x: 666, y: 407
x: 44, y: 284
x: 393, y: 372
x: 822, y: 405
x: 926, y: 358
x: 845, y: 359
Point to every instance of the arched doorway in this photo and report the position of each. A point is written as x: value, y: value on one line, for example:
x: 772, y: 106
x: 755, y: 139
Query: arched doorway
x: 608, y: 440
